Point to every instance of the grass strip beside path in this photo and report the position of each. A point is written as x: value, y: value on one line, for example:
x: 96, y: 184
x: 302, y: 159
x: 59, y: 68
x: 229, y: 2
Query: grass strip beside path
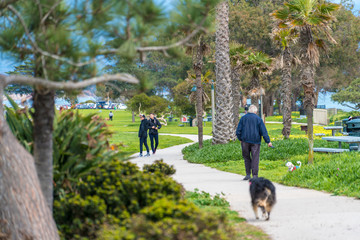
x: 219, y: 206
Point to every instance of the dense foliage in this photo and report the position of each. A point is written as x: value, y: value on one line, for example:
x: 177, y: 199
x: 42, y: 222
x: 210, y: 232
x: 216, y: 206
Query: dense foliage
x: 118, y: 201
x: 81, y: 143
x: 159, y: 166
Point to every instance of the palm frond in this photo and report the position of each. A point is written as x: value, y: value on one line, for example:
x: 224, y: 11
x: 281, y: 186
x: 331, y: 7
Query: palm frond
x: 313, y: 53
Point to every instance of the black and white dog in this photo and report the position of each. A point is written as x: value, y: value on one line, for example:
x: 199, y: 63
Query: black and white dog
x: 263, y: 195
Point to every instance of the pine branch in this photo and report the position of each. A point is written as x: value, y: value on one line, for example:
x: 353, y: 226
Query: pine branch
x: 140, y: 50
x: 4, y: 4
x: 42, y: 52
x: 69, y: 85
x: 50, y: 11
x: 166, y: 47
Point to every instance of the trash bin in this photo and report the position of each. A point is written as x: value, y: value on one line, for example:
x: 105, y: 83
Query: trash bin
x: 352, y: 127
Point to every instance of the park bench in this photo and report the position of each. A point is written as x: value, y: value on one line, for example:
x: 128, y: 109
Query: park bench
x: 331, y: 150
x: 346, y: 139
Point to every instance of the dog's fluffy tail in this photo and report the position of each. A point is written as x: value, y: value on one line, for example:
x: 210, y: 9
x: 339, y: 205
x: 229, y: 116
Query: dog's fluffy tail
x: 298, y: 162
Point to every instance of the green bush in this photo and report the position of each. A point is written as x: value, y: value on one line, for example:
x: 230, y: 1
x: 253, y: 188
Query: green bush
x: 284, y: 149
x: 343, y: 115
x: 77, y: 217
x: 81, y: 143
x: 125, y: 189
x: 205, y: 199
x: 167, y: 219
x: 159, y: 166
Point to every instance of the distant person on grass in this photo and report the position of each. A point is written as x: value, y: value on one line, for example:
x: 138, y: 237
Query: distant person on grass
x: 144, y: 126
x: 111, y: 115
x: 249, y: 132
x: 154, y: 126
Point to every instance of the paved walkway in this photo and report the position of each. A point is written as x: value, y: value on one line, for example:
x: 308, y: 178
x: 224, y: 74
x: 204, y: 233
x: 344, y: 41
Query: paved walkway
x: 299, y: 213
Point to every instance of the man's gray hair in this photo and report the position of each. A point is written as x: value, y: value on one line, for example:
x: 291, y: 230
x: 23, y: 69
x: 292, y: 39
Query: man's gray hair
x: 253, y: 109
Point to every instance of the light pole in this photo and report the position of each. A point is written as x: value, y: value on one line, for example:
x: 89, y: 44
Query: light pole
x: 212, y: 103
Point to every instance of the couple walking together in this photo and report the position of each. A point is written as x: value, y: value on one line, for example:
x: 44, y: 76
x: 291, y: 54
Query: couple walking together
x: 153, y: 125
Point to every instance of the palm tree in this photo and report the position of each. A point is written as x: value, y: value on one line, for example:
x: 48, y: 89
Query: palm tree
x: 284, y: 37
x: 198, y: 54
x: 256, y: 63
x: 223, y: 130
x: 236, y: 51
x: 311, y: 18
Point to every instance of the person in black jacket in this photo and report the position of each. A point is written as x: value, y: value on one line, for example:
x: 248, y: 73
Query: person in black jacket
x: 154, y: 126
x: 144, y: 126
x: 249, y: 132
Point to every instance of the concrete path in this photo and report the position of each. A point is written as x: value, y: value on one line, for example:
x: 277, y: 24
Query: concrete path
x: 299, y: 213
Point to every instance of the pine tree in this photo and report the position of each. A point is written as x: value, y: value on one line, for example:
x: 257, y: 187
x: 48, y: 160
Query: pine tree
x: 64, y: 39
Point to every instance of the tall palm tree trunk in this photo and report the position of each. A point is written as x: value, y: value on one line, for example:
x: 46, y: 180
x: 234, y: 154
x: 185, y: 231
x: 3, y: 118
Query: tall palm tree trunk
x: 235, y: 82
x: 223, y: 131
x: 286, y: 92
x: 308, y: 83
x: 198, y: 65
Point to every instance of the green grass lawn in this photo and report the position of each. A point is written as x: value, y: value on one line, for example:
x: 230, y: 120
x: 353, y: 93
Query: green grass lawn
x: 125, y: 131
x: 295, y: 117
x: 335, y: 173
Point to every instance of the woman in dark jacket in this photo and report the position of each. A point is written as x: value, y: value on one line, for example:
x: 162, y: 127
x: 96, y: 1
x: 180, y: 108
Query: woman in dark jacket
x: 154, y: 125
x: 144, y: 126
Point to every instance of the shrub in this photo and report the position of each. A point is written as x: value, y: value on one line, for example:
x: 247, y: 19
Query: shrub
x: 284, y: 149
x: 125, y: 189
x: 159, y: 166
x: 205, y: 199
x: 77, y: 217
x: 80, y: 143
x: 168, y: 219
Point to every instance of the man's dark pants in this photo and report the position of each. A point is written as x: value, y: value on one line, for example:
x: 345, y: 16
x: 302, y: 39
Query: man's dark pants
x: 143, y: 140
x: 152, y: 138
x: 251, y: 162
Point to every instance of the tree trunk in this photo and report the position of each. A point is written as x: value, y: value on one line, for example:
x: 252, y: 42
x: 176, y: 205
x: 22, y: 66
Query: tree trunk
x: 268, y: 104
x: 316, y: 96
x: 235, y: 81
x: 198, y: 65
x: 244, y: 100
x: 286, y: 93
x: 254, y: 92
x: 44, y: 103
x: 24, y: 212
x: 278, y: 102
x: 133, y: 116
x: 307, y: 81
x: 223, y: 131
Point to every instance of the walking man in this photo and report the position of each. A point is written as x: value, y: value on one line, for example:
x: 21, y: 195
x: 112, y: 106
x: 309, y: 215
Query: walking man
x: 111, y: 115
x: 154, y: 126
x: 144, y: 125
x: 249, y: 132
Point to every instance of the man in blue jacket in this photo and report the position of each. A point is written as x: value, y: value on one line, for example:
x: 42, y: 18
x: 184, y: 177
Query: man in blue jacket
x: 249, y: 132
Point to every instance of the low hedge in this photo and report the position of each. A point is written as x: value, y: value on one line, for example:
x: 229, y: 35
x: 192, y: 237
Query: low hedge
x: 284, y: 149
